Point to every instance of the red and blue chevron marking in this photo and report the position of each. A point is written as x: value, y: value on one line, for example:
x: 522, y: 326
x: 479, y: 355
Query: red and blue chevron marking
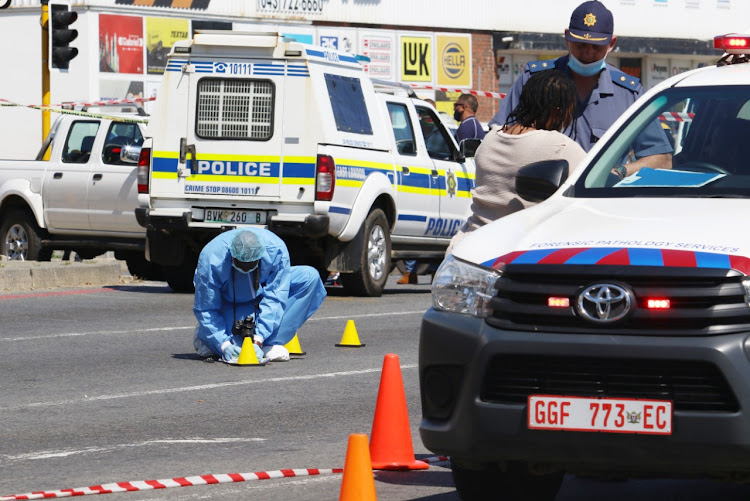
x: 623, y: 256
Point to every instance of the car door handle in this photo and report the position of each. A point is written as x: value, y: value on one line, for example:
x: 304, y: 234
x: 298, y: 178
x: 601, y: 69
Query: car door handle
x: 97, y: 177
x: 434, y: 173
x: 57, y: 175
x: 405, y: 169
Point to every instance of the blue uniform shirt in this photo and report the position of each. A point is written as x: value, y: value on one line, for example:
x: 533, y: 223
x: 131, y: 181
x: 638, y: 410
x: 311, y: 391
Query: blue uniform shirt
x: 470, y: 129
x: 614, y: 93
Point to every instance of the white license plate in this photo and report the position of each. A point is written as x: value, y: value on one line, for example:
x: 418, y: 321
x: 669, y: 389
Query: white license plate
x: 612, y: 415
x: 235, y: 216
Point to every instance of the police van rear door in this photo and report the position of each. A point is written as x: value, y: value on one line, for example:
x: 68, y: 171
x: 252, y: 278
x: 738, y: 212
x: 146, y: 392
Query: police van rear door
x: 234, y: 128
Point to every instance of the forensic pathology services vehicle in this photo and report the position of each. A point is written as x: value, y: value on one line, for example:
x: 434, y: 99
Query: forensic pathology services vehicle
x: 606, y: 330
x: 251, y: 129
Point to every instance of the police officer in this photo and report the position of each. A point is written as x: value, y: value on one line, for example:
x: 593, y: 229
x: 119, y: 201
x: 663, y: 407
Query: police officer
x: 603, y: 91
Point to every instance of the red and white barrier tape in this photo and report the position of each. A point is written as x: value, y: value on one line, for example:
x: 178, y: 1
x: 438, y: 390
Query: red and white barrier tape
x: 673, y: 116
x: 479, y: 93
x: 220, y: 478
x: 172, y: 482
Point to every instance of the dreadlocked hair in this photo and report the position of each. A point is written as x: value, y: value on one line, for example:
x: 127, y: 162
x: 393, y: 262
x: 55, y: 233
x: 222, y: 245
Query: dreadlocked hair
x: 547, y: 101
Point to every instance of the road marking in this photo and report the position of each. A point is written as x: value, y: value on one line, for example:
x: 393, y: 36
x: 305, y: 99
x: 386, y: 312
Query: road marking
x: 191, y: 327
x: 88, y: 450
x: 57, y: 293
x: 203, y: 387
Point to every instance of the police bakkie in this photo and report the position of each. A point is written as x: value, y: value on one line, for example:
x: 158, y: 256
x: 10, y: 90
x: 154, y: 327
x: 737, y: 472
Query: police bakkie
x: 605, y: 331
x: 255, y: 129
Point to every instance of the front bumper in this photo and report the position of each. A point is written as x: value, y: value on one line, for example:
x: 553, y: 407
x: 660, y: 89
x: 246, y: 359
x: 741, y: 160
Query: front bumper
x: 456, y: 354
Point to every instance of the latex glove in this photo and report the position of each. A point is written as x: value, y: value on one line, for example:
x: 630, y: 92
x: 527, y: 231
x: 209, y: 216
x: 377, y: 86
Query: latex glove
x: 258, y: 352
x: 230, y: 351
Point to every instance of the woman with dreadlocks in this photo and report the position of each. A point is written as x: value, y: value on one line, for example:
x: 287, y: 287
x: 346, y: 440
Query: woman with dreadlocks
x: 531, y: 134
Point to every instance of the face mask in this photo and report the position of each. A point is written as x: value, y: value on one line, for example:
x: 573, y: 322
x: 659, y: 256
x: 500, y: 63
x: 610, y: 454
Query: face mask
x: 457, y: 115
x: 586, y: 69
x: 246, y: 269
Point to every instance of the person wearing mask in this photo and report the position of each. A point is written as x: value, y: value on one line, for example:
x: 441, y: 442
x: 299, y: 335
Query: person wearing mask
x: 243, y: 276
x: 465, y: 111
x: 531, y: 134
x: 603, y: 92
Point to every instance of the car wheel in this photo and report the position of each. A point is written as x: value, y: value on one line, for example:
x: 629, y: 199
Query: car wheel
x: 141, y: 268
x: 375, y: 260
x: 515, y: 483
x: 180, y: 278
x: 22, y: 238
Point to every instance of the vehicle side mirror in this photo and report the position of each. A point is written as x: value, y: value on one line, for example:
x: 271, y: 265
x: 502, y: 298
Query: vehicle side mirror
x: 469, y: 147
x: 538, y: 181
x: 130, y: 154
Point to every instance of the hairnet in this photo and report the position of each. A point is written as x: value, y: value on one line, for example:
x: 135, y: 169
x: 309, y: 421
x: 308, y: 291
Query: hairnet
x: 247, y: 246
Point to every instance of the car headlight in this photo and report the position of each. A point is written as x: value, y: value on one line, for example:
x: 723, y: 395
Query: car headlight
x: 462, y: 287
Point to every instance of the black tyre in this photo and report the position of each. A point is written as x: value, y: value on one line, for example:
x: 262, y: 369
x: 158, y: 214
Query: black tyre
x: 375, y: 261
x: 180, y: 278
x: 515, y: 483
x: 141, y: 268
x: 22, y: 238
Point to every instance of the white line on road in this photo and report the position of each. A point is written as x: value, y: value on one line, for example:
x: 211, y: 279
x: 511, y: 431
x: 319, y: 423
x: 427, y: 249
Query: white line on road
x: 88, y: 450
x: 164, y: 391
x: 166, y: 329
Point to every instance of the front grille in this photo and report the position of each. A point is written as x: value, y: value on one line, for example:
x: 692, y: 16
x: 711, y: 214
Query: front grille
x: 703, y: 301
x: 690, y: 385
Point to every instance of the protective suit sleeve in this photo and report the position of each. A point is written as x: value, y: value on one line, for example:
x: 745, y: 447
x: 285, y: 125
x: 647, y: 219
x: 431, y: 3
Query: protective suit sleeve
x: 275, y: 294
x: 212, y: 329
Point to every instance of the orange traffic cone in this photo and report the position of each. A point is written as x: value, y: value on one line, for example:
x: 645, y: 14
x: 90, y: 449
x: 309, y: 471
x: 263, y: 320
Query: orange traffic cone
x: 358, y: 483
x: 390, y: 440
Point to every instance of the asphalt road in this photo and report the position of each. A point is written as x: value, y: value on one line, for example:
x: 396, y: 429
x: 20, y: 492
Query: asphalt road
x: 101, y: 385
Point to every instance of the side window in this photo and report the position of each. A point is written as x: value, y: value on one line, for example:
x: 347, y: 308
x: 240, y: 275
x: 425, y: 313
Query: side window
x: 118, y: 136
x: 438, y: 145
x: 348, y: 104
x: 80, y: 142
x: 402, y: 129
x: 235, y: 109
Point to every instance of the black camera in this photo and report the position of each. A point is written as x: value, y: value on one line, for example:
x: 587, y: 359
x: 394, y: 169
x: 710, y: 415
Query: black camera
x: 244, y: 327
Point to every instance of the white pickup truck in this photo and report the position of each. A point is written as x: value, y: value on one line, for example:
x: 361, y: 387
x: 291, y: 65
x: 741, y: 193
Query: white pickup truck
x: 82, y: 199
x: 251, y: 129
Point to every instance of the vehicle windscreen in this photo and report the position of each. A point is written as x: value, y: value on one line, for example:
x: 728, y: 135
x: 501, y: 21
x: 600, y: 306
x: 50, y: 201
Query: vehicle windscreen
x: 705, y: 128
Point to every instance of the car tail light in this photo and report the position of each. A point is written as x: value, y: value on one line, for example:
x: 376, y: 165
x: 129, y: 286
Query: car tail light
x: 733, y: 44
x: 144, y: 164
x: 325, y: 178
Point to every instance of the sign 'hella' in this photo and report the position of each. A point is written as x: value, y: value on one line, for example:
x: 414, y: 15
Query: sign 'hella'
x: 454, y: 60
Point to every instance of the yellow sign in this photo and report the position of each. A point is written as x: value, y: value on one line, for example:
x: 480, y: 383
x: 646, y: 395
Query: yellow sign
x: 416, y: 59
x: 161, y: 34
x: 454, y: 60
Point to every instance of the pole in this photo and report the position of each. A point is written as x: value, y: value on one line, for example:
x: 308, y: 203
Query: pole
x: 45, y: 73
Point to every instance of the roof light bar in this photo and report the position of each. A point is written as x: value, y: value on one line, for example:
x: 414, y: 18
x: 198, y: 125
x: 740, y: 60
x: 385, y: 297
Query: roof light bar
x: 733, y: 43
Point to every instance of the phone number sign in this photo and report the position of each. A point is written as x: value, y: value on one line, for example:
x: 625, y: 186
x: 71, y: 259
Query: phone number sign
x: 290, y: 6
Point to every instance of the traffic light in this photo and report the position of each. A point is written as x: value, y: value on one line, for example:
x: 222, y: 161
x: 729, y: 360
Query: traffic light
x: 60, y: 35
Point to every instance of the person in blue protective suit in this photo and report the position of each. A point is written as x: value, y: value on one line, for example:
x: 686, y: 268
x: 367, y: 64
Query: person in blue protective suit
x: 245, y: 274
x: 603, y: 91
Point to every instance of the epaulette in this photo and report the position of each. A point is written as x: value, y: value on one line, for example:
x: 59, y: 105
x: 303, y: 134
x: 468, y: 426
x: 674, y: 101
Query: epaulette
x: 534, y: 66
x: 624, y: 80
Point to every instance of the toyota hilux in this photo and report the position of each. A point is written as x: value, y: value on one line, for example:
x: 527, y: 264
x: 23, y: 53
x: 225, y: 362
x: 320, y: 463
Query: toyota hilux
x: 606, y: 330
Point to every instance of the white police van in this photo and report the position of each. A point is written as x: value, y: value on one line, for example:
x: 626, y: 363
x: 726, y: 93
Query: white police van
x: 605, y: 331
x: 250, y: 129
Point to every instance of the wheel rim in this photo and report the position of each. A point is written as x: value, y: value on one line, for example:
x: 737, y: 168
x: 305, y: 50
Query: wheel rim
x: 376, y: 253
x: 16, y: 243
